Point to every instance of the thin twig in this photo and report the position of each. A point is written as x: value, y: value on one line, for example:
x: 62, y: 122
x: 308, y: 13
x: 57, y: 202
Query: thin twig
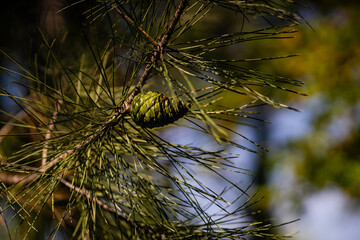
x: 9, y: 126
x: 108, y: 208
x: 88, y: 195
x: 14, y: 179
x: 133, y: 23
x: 48, y: 134
x: 11, y: 179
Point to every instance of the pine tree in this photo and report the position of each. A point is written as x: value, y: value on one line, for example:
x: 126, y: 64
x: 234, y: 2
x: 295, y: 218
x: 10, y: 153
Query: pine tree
x: 94, y: 161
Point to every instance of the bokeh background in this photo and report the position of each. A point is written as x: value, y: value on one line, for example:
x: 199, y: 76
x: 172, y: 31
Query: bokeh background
x: 312, y: 171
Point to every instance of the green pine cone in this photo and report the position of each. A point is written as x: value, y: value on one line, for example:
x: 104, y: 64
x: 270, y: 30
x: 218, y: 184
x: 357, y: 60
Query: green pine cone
x: 153, y: 109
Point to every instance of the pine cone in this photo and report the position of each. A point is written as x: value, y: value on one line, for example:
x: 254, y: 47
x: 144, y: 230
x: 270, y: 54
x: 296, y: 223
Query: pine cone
x: 153, y: 109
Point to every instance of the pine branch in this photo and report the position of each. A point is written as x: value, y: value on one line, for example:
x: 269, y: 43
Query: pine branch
x: 125, y: 107
x: 16, y: 178
x: 141, y: 183
x: 110, y: 209
x: 161, y: 45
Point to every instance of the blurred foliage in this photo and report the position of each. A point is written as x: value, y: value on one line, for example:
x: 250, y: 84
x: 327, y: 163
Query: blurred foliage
x: 329, y: 64
x: 330, y: 151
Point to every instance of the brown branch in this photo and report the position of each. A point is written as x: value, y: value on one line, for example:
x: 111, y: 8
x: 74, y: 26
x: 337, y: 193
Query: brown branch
x: 108, y: 208
x: 48, y: 134
x: 14, y: 179
x: 133, y: 23
x: 155, y: 56
x: 88, y: 195
x: 11, y: 179
x: 2, y: 221
x: 9, y: 126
